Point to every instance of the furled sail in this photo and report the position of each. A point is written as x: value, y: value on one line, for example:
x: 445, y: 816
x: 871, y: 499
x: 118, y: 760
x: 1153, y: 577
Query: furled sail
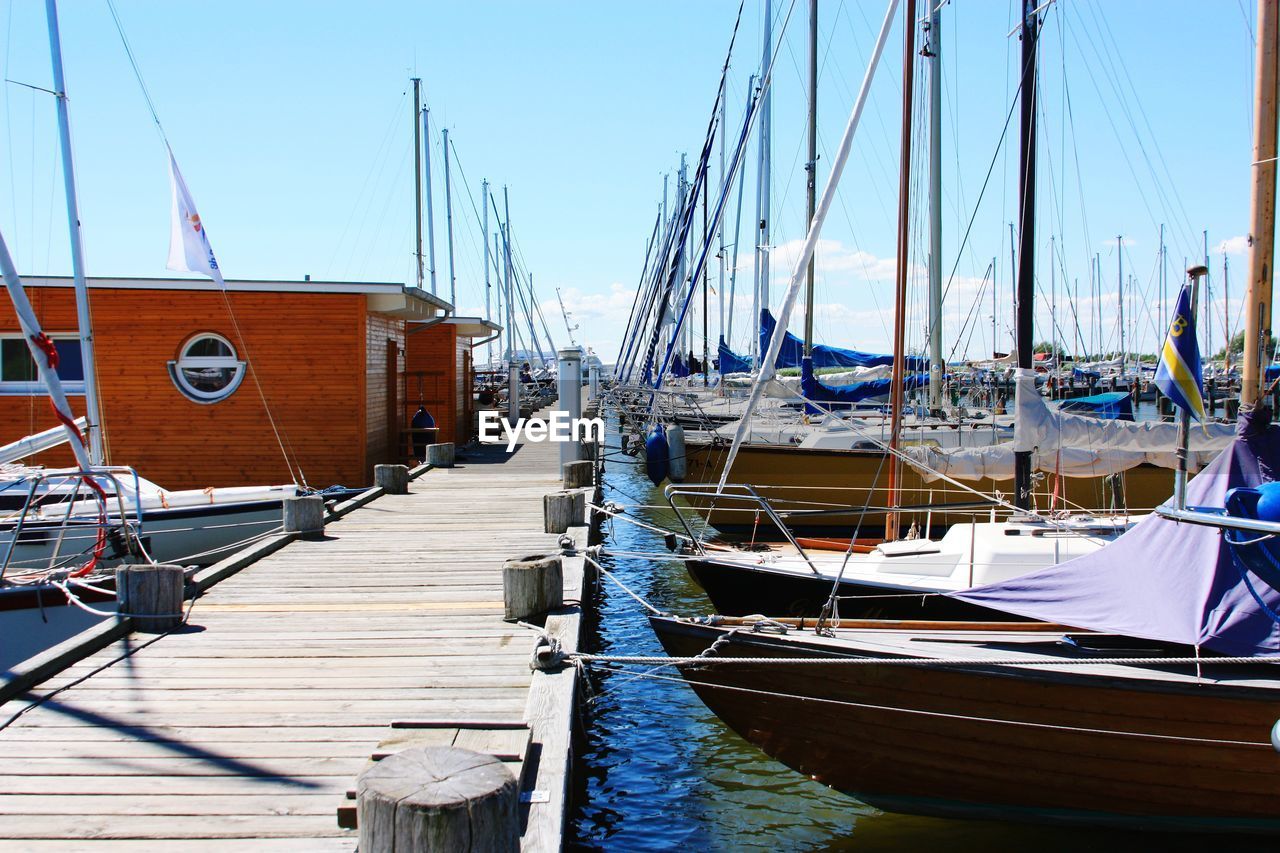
x: 792, y: 351
x: 1071, y: 444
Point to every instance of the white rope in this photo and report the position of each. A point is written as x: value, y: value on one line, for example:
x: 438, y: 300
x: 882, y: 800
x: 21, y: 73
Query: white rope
x: 991, y: 661
x: 624, y: 587
x: 965, y: 717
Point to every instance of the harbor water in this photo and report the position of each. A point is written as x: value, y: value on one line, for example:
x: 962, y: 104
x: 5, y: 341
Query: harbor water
x: 655, y: 770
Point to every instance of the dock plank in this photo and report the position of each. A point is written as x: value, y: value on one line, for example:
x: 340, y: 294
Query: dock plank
x: 247, y: 728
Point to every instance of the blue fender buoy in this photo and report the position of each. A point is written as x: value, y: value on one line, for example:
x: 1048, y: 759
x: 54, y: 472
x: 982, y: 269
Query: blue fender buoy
x: 678, y: 463
x: 421, y: 420
x: 657, y: 455
x: 1269, y: 502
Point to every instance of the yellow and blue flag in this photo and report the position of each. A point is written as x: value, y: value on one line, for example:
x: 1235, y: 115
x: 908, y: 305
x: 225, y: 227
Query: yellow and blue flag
x: 1178, y: 374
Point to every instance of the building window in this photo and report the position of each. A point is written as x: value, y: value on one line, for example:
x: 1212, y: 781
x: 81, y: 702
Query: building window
x: 207, y: 369
x: 18, y: 372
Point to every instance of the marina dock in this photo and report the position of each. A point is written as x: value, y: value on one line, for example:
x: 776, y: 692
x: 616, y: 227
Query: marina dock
x: 247, y: 727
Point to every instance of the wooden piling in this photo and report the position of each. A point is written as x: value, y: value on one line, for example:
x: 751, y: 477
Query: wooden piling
x: 438, y: 798
x: 152, y: 595
x: 562, y: 510
x: 393, y: 479
x: 531, y: 586
x: 440, y: 455
x: 304, y: 514
x: 578, y: 475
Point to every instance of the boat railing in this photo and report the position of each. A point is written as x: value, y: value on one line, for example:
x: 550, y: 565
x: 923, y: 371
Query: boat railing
x: 734, y: 492
x: 55, y: 492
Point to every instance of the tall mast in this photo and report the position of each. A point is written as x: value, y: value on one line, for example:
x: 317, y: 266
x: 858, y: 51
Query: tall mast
x: 1164, y: 284
x: 1124, y: 353
x: 484, y: 205
x: 93, y: 417
x: 1226, y: 318
x: 513, y: 369
x: 723, y: 179
x: 1208, y: 302
x: 1026, y: 230
x: 448, y: 216
x: 417, y: 179
x: 811, y: 170
x: 1257, y: 302
x: 933, y: 51
x: 904, y: 251
x: 431, y: 216
x: 766, y: 155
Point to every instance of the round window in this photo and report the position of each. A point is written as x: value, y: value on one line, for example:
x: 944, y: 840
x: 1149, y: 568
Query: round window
x: 207, y: 369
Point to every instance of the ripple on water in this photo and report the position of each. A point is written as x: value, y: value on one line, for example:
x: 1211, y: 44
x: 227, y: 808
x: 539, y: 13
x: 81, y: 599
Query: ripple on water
x: 656, y: 770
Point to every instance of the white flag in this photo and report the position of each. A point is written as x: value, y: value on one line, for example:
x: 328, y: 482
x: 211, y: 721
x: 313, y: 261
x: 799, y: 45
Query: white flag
x: 189, y: 249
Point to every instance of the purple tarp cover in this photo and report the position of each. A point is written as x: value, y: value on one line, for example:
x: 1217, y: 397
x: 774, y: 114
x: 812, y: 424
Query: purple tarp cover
x: 1164, y: 580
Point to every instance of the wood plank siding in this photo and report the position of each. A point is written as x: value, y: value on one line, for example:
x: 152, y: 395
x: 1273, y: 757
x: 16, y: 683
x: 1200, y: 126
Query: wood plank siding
x: 320, y: 359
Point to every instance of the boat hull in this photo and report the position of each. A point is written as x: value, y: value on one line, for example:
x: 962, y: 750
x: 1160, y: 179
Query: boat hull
x: 741, y: 590
x: 799, y: 481
x: 1010, y: 744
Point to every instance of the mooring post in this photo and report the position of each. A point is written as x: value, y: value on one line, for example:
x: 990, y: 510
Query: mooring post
x: 593, y: 381
x: 393, y: 479
x: 152, y: 595
x: 532, y: 585
x: 440, y: 455
x: 438, y: 798
x: 580, y: 474
x: 562, y: 510
x: 303, y: 514
x: 570, y: 402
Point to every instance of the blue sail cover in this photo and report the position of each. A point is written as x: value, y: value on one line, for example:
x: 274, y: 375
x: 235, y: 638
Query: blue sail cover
x: 1164, y: 580
x: 1111, y: 406
x: 814, y: 389
x: 792, y: 351
x: 731, y: 362
x: 678, y: 367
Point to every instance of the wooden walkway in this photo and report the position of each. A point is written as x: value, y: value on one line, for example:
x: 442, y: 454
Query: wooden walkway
x: 245, y: 729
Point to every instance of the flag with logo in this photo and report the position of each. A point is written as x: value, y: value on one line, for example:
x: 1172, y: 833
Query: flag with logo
x: 189, y: 249
x: 1178, y: 374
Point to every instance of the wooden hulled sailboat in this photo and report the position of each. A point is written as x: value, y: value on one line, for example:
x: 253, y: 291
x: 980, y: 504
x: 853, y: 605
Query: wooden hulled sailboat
x: 1158, y: 711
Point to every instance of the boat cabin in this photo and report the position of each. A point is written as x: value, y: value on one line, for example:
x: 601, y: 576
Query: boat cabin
x: 204, y: 387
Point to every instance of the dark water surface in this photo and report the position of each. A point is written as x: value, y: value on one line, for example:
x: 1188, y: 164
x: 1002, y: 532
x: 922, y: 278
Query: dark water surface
x: 658, y: 771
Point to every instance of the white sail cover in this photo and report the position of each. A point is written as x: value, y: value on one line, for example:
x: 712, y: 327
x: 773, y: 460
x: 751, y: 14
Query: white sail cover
x: 1070, y: 444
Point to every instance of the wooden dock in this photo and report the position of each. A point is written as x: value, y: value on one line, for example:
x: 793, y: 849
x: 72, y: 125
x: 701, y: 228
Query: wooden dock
x: 247, y: 728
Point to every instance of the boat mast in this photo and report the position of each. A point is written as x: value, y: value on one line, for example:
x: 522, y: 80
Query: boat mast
x: 766, y: 155
x: 904, y: 249
x: 431, y: 216
x: 1257, y: 336
x: 723, y: 179
x: 1124, y: 353
x: 417, y: 178
x: 488, y: 314
x: 811, y: 173
x: 448, y: 215
x: 93, y: 417
x: 933, y: 52
x: 1226, y: 319
x: 1027, y: 231
x: 513, y: 370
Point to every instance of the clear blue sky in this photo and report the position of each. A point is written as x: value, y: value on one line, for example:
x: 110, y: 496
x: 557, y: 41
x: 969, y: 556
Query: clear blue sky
x: 292, y: 125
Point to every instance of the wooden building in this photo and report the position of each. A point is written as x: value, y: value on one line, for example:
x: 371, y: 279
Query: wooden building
x: 205, y: 387
x: 440, y: 373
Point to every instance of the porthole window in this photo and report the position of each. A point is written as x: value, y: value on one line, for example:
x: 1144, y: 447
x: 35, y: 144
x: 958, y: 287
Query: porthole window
x: 207, y: 369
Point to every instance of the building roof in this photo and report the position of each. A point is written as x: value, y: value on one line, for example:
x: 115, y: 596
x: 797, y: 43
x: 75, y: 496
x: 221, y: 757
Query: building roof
x: 474, y: 327
x: 385, y: 297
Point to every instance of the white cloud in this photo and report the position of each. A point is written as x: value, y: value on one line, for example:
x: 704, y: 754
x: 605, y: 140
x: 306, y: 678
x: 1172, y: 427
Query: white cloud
x: 1234, y: 245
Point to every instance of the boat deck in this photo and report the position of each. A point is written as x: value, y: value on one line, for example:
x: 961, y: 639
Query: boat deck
x: 246, y: 728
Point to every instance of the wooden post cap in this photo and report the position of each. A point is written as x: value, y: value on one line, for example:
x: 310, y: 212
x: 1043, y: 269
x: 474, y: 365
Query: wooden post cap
x: 440, y: 455
x: 393, y: 479
x: 579, y: 474
x: 303, y: 514
x: 438, y: 798
x: 152, y: 595
x: 532, y: 585
x: 562, y: 510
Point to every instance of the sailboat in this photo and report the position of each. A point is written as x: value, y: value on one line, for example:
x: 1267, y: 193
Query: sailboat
x: 1157, y: 710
